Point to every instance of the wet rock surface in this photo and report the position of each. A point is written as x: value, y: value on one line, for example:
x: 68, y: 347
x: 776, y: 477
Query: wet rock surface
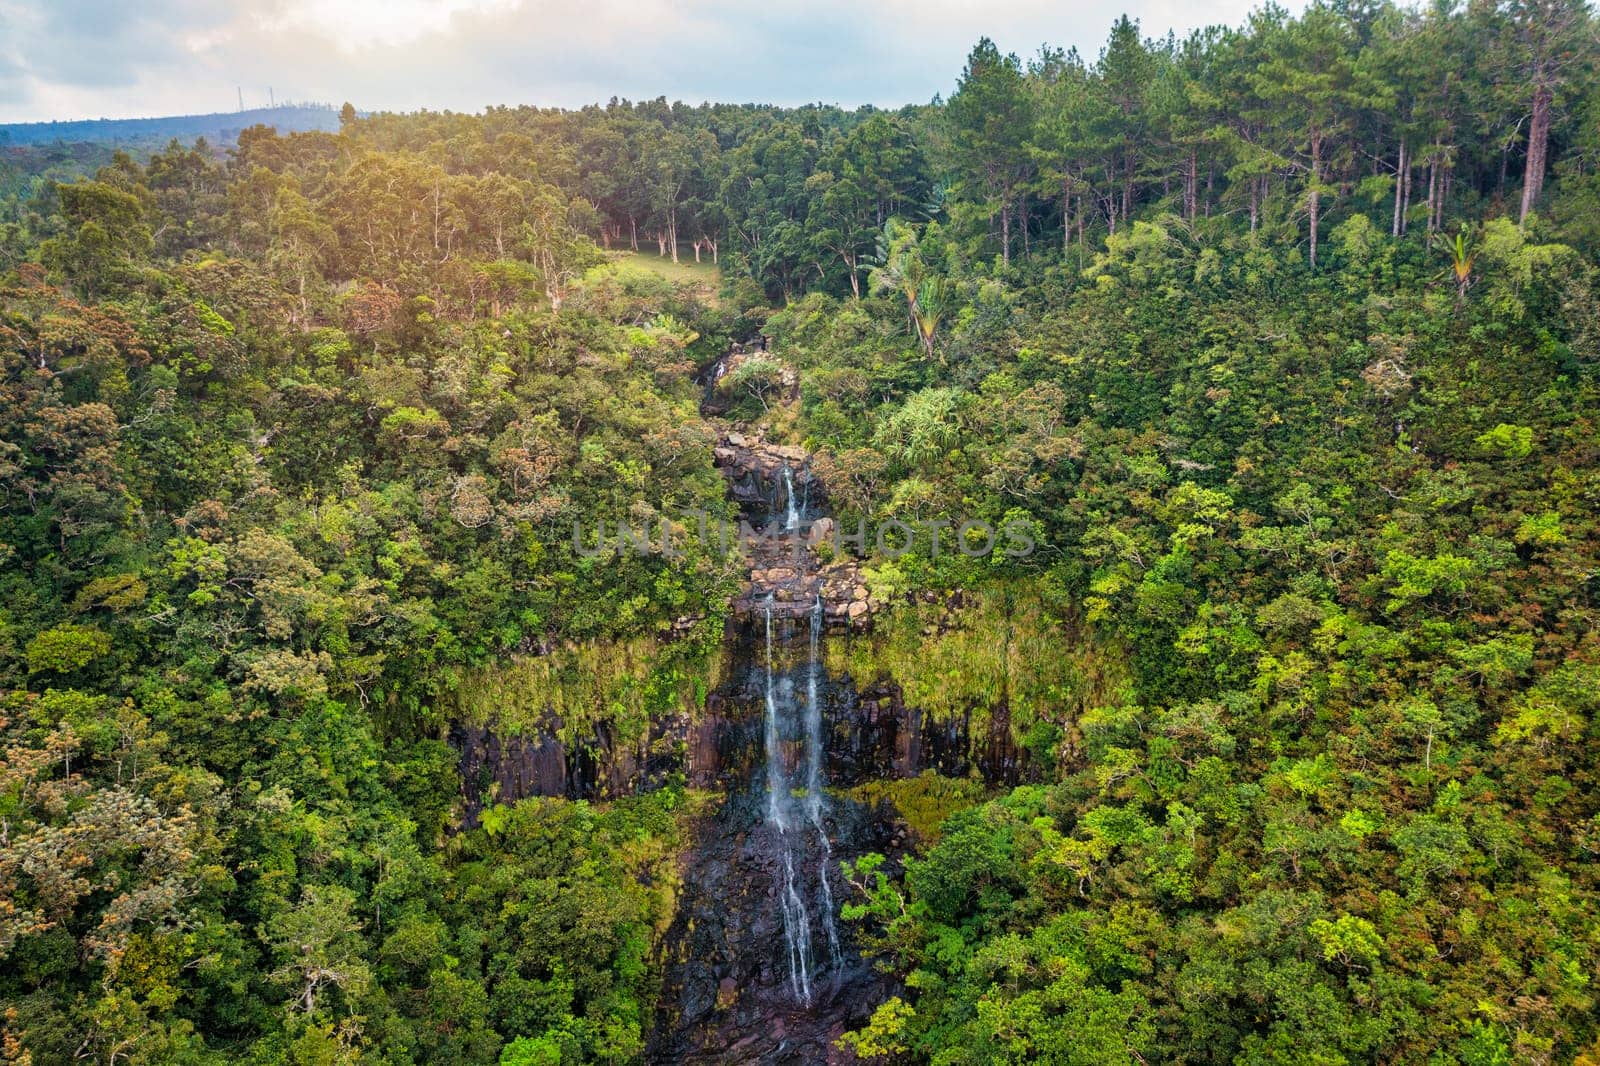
x: 730, y: 992
x: 501, y: 767
x: 716, y: 401
x: 869, y: 734
x: 785, y: 535
x: 728, y: 997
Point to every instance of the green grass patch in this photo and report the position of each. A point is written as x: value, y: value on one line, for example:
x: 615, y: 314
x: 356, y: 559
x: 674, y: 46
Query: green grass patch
x: 684, y: 270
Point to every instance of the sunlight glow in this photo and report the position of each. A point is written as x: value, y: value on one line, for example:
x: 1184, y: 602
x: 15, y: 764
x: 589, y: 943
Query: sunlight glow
x: 358, y: 24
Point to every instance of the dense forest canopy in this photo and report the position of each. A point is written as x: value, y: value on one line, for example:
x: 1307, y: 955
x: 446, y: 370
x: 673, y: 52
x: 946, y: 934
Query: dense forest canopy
x: 1285, y: 337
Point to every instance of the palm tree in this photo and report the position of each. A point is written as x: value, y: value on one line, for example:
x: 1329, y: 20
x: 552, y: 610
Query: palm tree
x: 1462, y: 256
x: 901, y: 269
x: 929, y: 309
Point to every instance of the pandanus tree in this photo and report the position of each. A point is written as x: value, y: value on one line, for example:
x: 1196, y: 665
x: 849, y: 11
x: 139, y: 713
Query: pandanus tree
x: 933, y: 300
x: 1463, y: 255
x: 902, y: 269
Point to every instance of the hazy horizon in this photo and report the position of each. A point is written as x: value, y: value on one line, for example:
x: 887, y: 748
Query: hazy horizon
x: 90, y: 59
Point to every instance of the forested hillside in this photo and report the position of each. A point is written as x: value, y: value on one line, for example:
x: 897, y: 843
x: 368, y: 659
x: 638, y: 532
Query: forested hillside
x: 133, y: 133
x: 1283, y: 339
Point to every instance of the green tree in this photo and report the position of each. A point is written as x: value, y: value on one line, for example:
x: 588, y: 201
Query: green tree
x: 990, y: 117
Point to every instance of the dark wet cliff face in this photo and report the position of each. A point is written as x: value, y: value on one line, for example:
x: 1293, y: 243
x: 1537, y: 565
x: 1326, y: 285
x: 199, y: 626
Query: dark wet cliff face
x: 757, y: 965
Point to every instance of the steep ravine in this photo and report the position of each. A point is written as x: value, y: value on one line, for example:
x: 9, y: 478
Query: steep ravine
x: 756, y: 965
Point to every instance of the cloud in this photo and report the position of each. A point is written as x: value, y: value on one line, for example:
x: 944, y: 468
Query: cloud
x: 93, y: 58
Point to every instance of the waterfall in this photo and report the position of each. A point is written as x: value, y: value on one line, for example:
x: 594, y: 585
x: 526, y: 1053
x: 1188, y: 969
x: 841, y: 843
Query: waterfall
x: 758, y: 907
x: 814, y: 782
x: 791, y: 518
x: 796, y: 917
x: 776, y: 788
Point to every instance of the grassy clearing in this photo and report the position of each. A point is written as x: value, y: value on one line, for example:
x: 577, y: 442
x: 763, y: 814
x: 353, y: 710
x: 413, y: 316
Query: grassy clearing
x: 686, y: 269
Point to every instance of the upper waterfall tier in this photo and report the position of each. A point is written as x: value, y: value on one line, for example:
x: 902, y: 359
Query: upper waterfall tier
x: 783, y: 502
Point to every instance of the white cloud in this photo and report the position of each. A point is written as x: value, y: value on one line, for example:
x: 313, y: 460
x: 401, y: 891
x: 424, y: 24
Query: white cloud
x: 360, y: 24
x: 92, y: 58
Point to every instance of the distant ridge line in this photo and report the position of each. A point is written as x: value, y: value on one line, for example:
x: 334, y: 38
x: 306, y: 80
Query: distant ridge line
x: 220, y: 127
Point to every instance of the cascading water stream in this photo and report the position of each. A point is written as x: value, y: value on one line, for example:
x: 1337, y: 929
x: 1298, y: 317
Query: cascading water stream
x: 814, y: 782
x: 791, y: 518
x: 757, y: 968
x: 796, y: 918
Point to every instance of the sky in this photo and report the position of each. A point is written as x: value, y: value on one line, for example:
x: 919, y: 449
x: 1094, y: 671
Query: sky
x: 74, y: 59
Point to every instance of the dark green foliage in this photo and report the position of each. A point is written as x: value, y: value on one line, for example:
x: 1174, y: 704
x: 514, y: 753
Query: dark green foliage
x: 1252, y: 330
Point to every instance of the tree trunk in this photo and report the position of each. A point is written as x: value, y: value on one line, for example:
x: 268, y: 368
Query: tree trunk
x: 1405, y: 208
x: 1066, y: 221
x: 1191, y: 187
x: 1433, y: 188
x: 1316, y: 194
x: 1127, y: 188
x: 1005, y: 232
x: 1081, y: 213
x: 633, y: 233
x: 1538, y: 146
x: 1022, y: 223
x: 1399, y: 188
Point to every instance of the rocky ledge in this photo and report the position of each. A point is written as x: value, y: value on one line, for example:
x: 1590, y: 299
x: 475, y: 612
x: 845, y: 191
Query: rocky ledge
x: 781, y: 499
x: 756, y: 470
x: 793, y: 589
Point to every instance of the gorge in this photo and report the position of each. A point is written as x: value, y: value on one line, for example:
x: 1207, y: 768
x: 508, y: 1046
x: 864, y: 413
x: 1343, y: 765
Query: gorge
x: 756, y: 963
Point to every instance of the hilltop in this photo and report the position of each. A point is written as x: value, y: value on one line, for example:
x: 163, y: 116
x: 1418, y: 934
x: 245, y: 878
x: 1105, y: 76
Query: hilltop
x: 219, y: 127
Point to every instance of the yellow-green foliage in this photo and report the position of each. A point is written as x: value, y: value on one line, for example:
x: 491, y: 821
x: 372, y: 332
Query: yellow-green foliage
x: 1004, y: 646
x: 924, y: 801
x: 575, y: 686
